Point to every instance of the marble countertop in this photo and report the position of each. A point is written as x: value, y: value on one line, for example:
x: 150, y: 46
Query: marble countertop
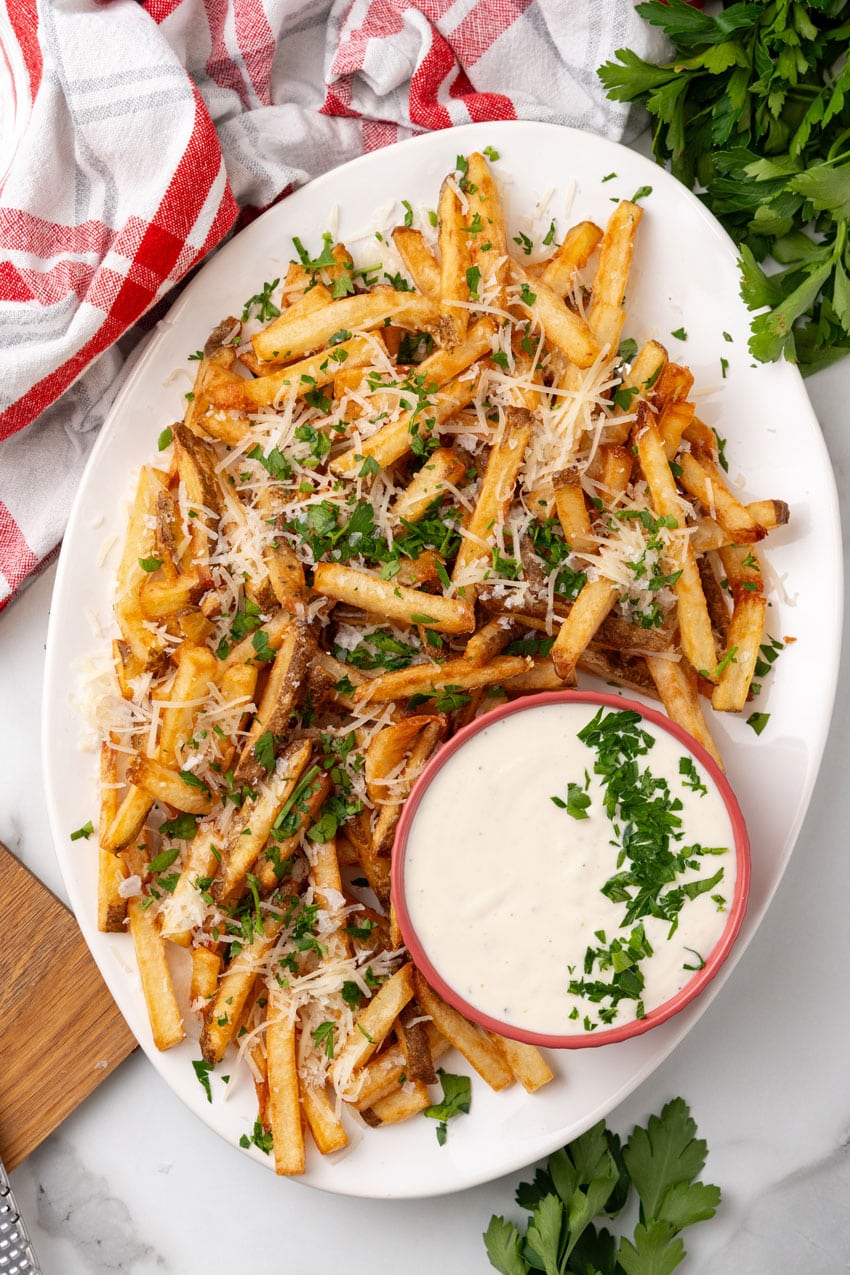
x: 133, y: 1183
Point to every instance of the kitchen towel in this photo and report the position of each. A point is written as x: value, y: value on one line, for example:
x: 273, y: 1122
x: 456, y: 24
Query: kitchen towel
x: 135, y: 137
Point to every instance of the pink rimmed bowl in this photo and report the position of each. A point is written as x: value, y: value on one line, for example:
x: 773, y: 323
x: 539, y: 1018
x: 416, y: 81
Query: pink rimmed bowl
x: 427, y: 962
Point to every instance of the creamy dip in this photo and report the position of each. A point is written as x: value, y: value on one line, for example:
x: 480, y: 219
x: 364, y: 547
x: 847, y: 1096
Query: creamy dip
x: 511, y: 848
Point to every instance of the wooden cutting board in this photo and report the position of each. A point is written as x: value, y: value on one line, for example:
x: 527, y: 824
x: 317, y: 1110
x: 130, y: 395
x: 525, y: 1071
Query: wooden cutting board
x: 61, y: 1032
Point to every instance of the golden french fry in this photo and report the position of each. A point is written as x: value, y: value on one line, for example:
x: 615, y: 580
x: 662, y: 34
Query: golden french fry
x: 234, y: 988
x: 572, y: 511
x: 455, y: 260
x: 526, y: 1062
x: 206, y: 967
x: 484, y: 223
x: 296, y: 379
x: 606, y: 315
x: 495, y: 496
x: 579, y: 244
x: 181, y: 789
x: 394, y: 601
x: 442, y: 469
x: 676, y: 683
x: 564, y: 329
x: 291, y: 336
x: 279, y: 697
x: 253, y: 826
x: 398, y: 1105
x: 475, y: 1045
x: 440, y: 679
x: 419, y: 261
x: 375, y: 1021
x: 163, y: 1012
x: 694, y: 621
x: 588, y: 611
x: 284, y: 1093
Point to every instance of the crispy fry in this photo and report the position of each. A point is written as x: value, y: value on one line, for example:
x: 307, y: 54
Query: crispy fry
x: 291, y: 335
x: 475, y: 1045
x: 494, y: 498
x: 526, y: 1062
x: 395, y: 602
x: 284, y: 1093
x: 694, y: 621
x: 375, y: 1022
x: 676, y: 682
x: 437, y: 679
x: 589, y: 610
x: 163, y: 1011
x: 235, y: 986
x: 579, y: 244
x: 419, y: 261
x: 443, y: 467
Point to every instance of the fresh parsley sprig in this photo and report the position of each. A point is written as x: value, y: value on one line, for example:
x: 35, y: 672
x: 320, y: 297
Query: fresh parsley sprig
x: 593, y: 1178
x: 752, y: 110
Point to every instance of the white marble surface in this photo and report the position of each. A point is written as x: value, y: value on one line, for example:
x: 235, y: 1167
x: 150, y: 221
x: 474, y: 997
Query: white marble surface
x: 133, y: 1183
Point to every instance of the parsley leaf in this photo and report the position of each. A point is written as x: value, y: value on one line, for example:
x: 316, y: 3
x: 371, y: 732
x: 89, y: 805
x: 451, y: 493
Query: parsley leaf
x: 457, y: 1098
x: 751, y: 108
x: 590, y: 1182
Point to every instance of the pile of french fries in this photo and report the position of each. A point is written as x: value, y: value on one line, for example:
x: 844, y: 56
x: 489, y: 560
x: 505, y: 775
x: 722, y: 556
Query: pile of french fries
x: 388, y: 506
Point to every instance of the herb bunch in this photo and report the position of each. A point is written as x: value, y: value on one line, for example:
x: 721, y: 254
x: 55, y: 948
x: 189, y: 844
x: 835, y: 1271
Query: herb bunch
x: 593, y: 1178
x: 753, y: 111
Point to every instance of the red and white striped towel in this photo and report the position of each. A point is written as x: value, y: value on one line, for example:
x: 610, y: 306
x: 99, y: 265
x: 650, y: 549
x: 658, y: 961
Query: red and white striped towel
x: 145, y: 132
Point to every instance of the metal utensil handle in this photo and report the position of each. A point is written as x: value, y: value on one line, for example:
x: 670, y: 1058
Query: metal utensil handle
x: 16, y: 1255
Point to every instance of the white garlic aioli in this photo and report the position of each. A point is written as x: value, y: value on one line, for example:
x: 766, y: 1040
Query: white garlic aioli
x: 503, y: 885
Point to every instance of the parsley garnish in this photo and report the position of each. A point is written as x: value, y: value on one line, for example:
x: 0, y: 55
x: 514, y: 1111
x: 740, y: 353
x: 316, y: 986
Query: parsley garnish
x: 202, y: 1072
x: 83, y: 833
x: 164, y: 439
x: 150, y: 564
x: 758, y: 721
x: 457, y: 1098
x: 262, y: 303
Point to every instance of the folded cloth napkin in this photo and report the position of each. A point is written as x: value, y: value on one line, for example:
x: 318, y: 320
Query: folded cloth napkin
x: 143, y: 134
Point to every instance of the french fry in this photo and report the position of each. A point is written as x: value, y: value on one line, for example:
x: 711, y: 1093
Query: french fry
x: 746, y: 629
x: 395, y: 602
x: 398, y: 1105
x: 180, y: 789
x: 206, y: 968
x: 291, y: 336
x: 497, y: 488
x: 375, y: 1021
x: 234, y: 988
x: 588, y: 611
x: 419, y: 261
x: 572, y: 512
x: 694, y: 621
x: 526, y: 1062
x: 704, y: 482
x: 455, y: 260
x: 253, y: 825
x: 111, y: 905
x: 166, y: 1021
x: 477, y: 1048
x: 578, y: 246
x: 606, y: 315
x: 179, y: 910
x: 437, y: 679
x: 279, y: 697
x: 485, y: 229
x: 285, y: 1115
x: 564, y: 329
x: 442, y: 468
x: 296, y: 379
x: 676, y: 683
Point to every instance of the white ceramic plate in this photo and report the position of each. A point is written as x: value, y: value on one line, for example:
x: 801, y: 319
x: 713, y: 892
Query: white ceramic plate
x: 685, y: 277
